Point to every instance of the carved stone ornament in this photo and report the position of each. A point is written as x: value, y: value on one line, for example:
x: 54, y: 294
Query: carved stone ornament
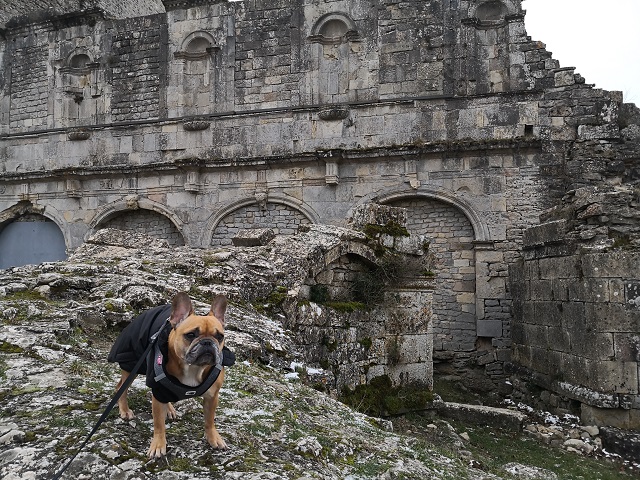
x: 78, y: 134
x: 333, y: 112
x: 261, y: 198
x: 131, y: 202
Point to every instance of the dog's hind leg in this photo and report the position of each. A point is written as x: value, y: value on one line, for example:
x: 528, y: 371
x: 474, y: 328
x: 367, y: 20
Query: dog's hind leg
x: 123, y: 405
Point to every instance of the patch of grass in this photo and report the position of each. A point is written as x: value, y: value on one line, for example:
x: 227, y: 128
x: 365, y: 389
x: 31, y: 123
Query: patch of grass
x: 319, y: 294
x: 455, y: 391
x: 495, y: 448
x: 66, y: 421
x: 25, y: 295
x: 6, y: 347
x: 620, y: 241
x: 272, y: 302
x: 79, y: 368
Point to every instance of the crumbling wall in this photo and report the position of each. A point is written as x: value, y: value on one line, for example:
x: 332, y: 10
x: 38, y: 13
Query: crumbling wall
x: 576, y: 331
x: 365, y: 311
x: 576, y: 326
x: 18, y: 10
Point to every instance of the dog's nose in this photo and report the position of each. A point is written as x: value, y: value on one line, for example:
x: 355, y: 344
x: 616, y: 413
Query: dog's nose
x: 206, y: 342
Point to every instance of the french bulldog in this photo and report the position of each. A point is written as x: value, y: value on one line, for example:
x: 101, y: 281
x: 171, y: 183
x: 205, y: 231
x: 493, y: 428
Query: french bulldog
x: 187, y: 357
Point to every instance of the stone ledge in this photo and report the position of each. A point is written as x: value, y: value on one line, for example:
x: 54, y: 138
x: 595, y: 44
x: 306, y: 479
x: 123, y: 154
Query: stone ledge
x: 482, y: 415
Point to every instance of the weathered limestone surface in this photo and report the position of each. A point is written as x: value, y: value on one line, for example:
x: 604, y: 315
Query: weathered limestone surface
x: 57, y: 322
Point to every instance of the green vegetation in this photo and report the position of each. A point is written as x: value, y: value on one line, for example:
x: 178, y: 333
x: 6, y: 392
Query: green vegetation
x: 379, y: 398
x: 272, y: 302
x: 319, y: 294
x: 493, y: 448
x: 392, y: 229
x: 6, y: 347
x: 26, y: 295
x: 366, y: 342
x: 620, y: 241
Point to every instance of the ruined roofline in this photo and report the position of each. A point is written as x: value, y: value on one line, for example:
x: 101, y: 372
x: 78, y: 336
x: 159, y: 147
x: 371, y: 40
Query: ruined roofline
x: 28, y: 15
x: 184, y: 4
x: 56, y: 19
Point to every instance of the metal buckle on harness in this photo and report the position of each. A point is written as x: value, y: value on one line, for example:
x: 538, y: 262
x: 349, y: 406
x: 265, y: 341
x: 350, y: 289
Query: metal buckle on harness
x: 190, y: 393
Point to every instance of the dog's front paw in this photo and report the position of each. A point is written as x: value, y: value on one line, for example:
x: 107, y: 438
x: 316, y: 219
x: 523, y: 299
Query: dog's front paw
x: 216, y: 441
x: 158, y: 448
x: 126, y: 414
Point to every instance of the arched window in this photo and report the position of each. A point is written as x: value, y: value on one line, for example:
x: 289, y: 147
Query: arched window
x: 79, y: 61
x: 79, y: 83
x: 334, y: 28
x: 338, y: 63
x: 197, y: 69
x: 198, y: 46
x: 491, y: 11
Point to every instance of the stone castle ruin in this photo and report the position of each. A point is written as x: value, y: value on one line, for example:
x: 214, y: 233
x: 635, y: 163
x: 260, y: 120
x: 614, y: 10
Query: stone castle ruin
x: 195, y: 121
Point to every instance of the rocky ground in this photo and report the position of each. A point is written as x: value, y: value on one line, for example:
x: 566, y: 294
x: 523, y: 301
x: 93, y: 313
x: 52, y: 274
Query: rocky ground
x: 57, y: 322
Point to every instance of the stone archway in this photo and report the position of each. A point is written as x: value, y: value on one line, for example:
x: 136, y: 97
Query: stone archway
x: 451, y: 237
x: 146, y: 221
x: 283, y: 219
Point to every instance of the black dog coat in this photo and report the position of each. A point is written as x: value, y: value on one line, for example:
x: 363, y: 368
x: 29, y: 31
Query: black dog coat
x: 134, y: 340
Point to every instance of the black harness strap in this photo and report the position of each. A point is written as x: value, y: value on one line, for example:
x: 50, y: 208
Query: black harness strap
x: 113, y: 401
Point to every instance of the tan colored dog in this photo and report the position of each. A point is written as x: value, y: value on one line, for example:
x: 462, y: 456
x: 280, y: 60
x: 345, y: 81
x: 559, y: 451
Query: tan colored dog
x: 193, y: 348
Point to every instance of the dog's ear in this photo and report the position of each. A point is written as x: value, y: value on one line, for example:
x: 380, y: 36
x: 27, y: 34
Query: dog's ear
x: 219, y: 307
x: 181, y: 308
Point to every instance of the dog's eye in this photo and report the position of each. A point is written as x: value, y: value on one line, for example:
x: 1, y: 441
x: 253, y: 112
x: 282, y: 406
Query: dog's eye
x: 219, y: 337
x: 190, y: 336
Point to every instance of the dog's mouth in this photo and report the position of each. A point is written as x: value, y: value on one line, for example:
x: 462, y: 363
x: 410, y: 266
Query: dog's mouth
x: 205, y: 352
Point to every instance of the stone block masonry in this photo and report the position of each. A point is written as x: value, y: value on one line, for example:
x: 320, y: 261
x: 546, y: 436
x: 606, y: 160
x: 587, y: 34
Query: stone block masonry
x: 576, y: 325
x: 136, y: 69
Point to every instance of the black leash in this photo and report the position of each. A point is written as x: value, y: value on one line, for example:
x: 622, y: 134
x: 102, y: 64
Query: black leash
x: 113, y: 401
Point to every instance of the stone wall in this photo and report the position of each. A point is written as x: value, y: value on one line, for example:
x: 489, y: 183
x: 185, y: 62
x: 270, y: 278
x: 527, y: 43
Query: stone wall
x: 577, y: 327
x: 394, y: 341
x: 450, y: 237
x: 361, y: 318
x: 136, y: 69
